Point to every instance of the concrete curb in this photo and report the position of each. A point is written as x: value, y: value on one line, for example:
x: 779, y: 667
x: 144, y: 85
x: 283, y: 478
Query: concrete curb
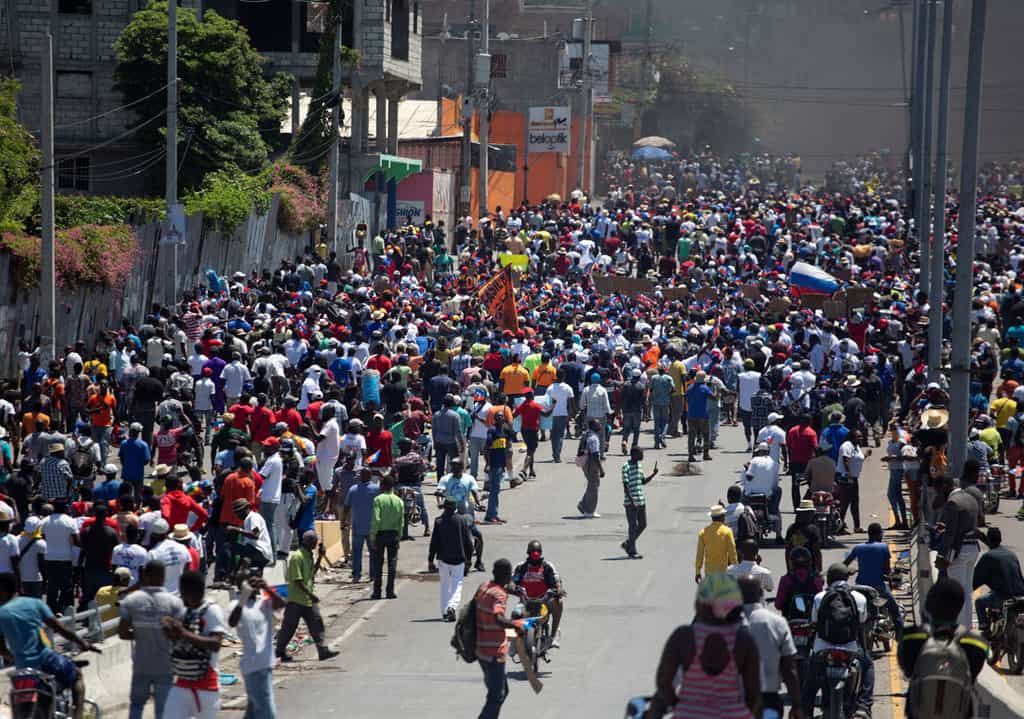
x: 993, y: 697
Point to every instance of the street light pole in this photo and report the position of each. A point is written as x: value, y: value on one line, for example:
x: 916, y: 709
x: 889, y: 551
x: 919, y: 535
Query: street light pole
x: 171, y: 178
x: 586, y: 102
x: 47, y: 268
x: 938, y: 256
x: 485, y: 112
x: 962, y: 294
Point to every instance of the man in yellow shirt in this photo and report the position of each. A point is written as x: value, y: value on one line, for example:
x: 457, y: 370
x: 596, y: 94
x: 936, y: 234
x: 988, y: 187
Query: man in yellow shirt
x: 678, y: 372
x: 514, y: 378
x: 716, y: 547
x: 544, y: 375
x: 1001, y: 409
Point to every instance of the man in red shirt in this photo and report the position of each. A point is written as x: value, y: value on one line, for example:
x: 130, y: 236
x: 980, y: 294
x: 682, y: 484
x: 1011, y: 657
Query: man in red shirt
x: 261, y: 421
x: 379, y: 361
x: 289, y: 415
x: 531, y: 411
x: 491, y: 642
x: 242, y: 411
x: 801, y: 441
x: 176, y: 506
x: 379, y: 439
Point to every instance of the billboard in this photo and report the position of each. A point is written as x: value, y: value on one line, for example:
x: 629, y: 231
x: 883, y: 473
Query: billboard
x: 550, y: 129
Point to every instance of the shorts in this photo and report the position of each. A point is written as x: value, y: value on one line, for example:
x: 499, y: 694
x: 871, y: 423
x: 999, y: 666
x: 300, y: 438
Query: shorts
x: 530, y: 438
x: 62, y: 669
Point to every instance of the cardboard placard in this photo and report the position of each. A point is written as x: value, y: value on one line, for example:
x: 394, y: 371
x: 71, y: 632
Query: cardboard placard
x: 675, y: 293
x: 751, y: 292
x: 834, y: 309
x: 843, y: 274
x: 813, y: 302
x: 779, y: 306
x: 859, y: 296
x: 606, y: 285
x: 707, y: 294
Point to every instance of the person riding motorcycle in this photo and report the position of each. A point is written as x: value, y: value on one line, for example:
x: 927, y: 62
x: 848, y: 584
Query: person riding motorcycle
x: 837, y: 577
x: 410, y: 468
x: 801, y: 579
x: 804, y: 533
x: 534, y: 579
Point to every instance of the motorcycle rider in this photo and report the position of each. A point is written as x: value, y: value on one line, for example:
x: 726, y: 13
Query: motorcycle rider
x: 837, y: 577
x: 873, y: 570
x: 761, y: 476
x: 801, y: 579
x: 804, y: 533
x: 999, y: 570
x: 409, y: 469
x: 534, y: 578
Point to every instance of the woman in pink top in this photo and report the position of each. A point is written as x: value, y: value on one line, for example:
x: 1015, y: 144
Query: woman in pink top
x: 718, y: 658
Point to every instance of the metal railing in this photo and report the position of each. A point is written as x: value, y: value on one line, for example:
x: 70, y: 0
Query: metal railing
x: 92, y: 628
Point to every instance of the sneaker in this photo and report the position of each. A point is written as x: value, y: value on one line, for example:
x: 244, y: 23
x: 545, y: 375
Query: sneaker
x: 479, y: 567
x: 286, y: 658
x: 636, y: 556
x: 554, y: 643
x: 449, y: 616
x: 592, y: 515
x: 323, y: 653
x: 375, y: 596
x: 392, y: 595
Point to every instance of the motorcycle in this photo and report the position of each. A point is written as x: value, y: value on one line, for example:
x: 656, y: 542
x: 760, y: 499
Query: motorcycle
x: 842, y: 674
x: 536, y: 630
x: 991, y: 485
x: 766, y: 523
x: 826, y: 517
x: 802, y: 629
x: 1006, y: 634
x: 412, y: 509
x: 879, y: 629
x: 34, y: 695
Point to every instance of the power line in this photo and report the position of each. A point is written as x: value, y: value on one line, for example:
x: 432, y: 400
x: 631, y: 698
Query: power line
x: 123, y: 160
x: 104, y: 114
x: 103, y: 144
x: 131, y: 172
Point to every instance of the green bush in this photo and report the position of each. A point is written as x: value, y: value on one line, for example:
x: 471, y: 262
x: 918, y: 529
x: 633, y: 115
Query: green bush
x: 75, y: 210
x: 227, y: 197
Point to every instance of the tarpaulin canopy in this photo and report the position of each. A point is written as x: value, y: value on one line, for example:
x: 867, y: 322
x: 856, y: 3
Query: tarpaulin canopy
x: 395, y: 168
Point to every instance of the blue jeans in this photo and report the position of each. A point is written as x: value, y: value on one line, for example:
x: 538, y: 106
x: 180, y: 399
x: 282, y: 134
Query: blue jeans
x: 494, y: 488
x: 476, y: 448
x: 896, y: 501
x: 101, y: 435
x: 259, y: 692
x: 144, y: 687
x: 358, y: 540
x: 714, y: 413
x: 661, y: 416
x: 497, y: 688
x: 559, y: 425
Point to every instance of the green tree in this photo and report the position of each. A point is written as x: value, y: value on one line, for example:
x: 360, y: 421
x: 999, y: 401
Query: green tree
x: 19, y: 163
x: 229, y: 111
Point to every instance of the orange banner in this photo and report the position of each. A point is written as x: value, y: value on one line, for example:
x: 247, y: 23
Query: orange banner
x: 499, y: 298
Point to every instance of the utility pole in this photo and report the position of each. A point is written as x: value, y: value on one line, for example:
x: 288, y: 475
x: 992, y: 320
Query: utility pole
x: 961, y: 359
x: 586, y: 101
x: 47, y: 268
x: 485, y: 112
x: 928, y: 97
x: 171, y: 183
x: 646, y: 75
x: 938, y: 256
x: 466, y: 191
x: 334, y: 161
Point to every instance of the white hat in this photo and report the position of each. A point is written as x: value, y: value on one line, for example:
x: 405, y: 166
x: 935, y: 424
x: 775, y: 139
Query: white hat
x: 774, y: 417
x: 762, y: 447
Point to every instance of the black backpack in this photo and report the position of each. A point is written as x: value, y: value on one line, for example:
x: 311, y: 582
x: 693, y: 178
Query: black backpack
x: 464, y: 637
x: 838, y: 618
x: 941, y: 685
x: 188, y: 661
x: 82, y: 462
x: 746, y: 525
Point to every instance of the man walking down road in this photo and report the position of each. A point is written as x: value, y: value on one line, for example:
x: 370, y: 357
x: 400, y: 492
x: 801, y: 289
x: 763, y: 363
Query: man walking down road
x: 635, y: 502
x: 958, y: 546
x: 716, y: 547
x: 142, y: 613
x: 385, y: 530
x: 359, y: 506
x: 452, y: 545
x: 253, y: 615
x: 491, y: 642
x: 302, y: 602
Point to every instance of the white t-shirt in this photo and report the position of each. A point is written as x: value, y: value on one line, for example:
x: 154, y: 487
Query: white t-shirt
x: 762, y: 574
x: 57, y: 531
x: 851, y: 460
x: 329, y: 447
x: 31, y: 556
x: 479, y: 413
x: 8, y: 552
x: 175, y: 559
x: 563, y: 393
x: 775, y: 437
x: 132, y: 556
x: 354, y: 445
x: 254, y: 522
x: 749, y: 383
x: 272, y: 472
x: 203, y: 393
x: 256, y: 630
x: 762, y: 476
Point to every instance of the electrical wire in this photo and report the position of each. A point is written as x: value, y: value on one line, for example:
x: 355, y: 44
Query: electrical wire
x: 123, y: 160
x: 129, y: 172
x: 103, y: 144
x: 104, y: 114
x: 184, y: 153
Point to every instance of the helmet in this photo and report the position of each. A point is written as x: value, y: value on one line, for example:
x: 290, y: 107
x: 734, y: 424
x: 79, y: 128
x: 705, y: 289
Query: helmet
x: 721, y: 593
x: 800, y: 557
x: 286, y: 446
x: 534, y: 550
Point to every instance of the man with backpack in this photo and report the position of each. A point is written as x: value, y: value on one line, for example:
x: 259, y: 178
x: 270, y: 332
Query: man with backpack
x: 491, y: 643
x: 837, y: 615
x: 196, y: 639
x: 942, y: 661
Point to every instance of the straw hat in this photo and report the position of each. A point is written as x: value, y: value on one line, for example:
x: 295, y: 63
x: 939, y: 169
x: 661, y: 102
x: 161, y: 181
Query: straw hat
x: 181, y: 533
x: 161, y: 470
x: 935, y: 418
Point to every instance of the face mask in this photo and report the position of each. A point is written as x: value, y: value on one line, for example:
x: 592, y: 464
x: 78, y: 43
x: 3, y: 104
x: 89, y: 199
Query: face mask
x: 534, y: 557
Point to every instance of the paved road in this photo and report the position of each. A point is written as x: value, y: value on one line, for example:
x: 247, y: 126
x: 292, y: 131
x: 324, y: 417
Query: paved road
x: 395, y: 659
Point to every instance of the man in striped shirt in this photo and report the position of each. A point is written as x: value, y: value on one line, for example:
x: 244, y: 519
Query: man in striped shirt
x: 491, y: 642
x: 635, y: 503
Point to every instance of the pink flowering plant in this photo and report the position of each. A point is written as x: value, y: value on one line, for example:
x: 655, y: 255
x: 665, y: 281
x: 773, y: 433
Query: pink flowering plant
x: 88, y: 254
x: 303, y: 198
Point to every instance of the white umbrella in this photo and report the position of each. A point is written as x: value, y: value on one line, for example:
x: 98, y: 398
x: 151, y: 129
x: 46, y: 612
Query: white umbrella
x: 654, y: 141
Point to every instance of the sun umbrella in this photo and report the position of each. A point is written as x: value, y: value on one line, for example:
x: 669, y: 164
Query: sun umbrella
x: 651, y: 153
x: 654, y: 141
